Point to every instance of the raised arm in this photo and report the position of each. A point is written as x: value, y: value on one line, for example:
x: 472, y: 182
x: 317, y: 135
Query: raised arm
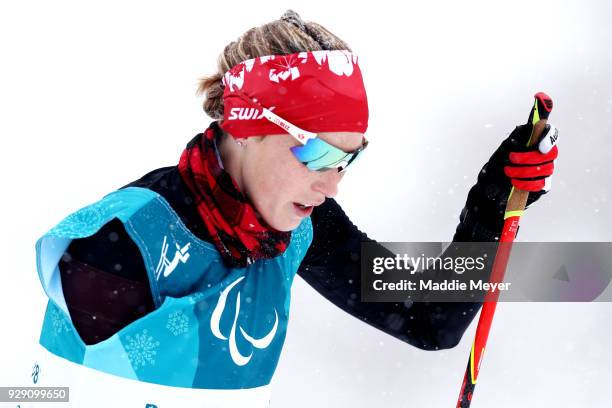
x: 332, y: 264
x: 332, y: 267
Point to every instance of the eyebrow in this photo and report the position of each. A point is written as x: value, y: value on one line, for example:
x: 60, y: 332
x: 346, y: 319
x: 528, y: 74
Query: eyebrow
x: 361, y: 141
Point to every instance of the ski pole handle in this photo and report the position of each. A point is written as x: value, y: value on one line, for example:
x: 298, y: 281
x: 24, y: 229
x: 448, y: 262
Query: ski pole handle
x: 517, y: 201
x: 538, y: 117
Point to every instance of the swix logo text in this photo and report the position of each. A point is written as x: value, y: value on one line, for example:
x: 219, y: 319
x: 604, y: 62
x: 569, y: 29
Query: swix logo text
x: 247, y: 113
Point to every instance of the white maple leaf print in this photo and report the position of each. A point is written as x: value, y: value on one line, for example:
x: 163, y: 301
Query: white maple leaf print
x: 234, y: 77
x: 249, y: 64
x: 266, y: 58
x: 320, y: 56
x: 340, y: 62
x: 285, y: 67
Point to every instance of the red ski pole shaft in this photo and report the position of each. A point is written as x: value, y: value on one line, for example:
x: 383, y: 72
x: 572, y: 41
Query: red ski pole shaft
x: 514, y: 210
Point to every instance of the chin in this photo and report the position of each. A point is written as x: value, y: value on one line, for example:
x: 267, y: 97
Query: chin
x: 286, y: 223
x: 286, y: 226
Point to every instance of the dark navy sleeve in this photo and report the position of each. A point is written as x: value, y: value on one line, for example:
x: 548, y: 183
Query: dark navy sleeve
x: 104, y: 282
x: 332, y: 267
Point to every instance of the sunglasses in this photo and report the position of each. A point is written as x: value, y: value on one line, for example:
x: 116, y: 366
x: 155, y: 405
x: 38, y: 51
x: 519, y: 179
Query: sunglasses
x: 314, y: 152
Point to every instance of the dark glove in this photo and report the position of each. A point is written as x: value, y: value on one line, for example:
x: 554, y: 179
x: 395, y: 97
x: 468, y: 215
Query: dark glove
x: 512, y: 164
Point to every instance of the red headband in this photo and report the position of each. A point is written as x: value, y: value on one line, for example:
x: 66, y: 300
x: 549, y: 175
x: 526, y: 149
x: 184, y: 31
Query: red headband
x: 318, y: 91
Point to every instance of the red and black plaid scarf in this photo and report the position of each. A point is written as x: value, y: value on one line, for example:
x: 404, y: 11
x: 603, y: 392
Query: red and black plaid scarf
x: 230, y: 219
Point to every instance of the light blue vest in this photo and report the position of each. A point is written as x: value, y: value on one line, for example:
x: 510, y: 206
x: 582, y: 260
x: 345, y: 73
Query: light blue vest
x: 213, y: 327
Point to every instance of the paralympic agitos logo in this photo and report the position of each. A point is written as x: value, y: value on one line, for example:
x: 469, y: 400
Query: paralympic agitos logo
x: 215, y: 326
x: 247, y: 113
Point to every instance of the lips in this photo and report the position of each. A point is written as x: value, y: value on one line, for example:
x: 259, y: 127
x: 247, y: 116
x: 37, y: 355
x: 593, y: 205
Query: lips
x: 303, y: 210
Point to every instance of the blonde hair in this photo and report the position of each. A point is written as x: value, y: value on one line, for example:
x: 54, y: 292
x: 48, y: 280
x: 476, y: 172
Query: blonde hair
x: 288, y: 35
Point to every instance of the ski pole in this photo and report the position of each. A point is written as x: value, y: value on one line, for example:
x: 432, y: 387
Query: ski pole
x: 514, y: 210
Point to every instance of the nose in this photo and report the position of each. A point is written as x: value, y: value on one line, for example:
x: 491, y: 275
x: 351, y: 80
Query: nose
x: 327, y: 182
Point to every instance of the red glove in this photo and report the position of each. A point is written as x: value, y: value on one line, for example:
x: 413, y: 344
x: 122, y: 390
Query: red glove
x: 530, y: 168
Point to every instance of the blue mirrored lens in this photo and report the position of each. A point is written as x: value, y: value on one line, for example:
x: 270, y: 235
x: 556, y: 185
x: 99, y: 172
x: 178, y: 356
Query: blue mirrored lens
x: 318, y: 154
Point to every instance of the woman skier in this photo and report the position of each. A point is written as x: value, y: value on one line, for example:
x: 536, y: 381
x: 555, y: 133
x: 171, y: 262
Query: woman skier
x: 182, y: 277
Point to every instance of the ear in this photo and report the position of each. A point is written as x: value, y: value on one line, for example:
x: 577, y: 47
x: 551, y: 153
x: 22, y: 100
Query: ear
x: 254, y: 139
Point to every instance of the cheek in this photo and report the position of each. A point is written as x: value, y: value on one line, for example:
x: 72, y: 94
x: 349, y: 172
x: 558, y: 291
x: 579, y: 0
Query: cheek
x: 273, y: 181
x: 280, y: 176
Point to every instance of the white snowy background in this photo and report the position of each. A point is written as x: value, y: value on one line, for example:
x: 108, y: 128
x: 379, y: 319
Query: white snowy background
x: 95, y: 94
